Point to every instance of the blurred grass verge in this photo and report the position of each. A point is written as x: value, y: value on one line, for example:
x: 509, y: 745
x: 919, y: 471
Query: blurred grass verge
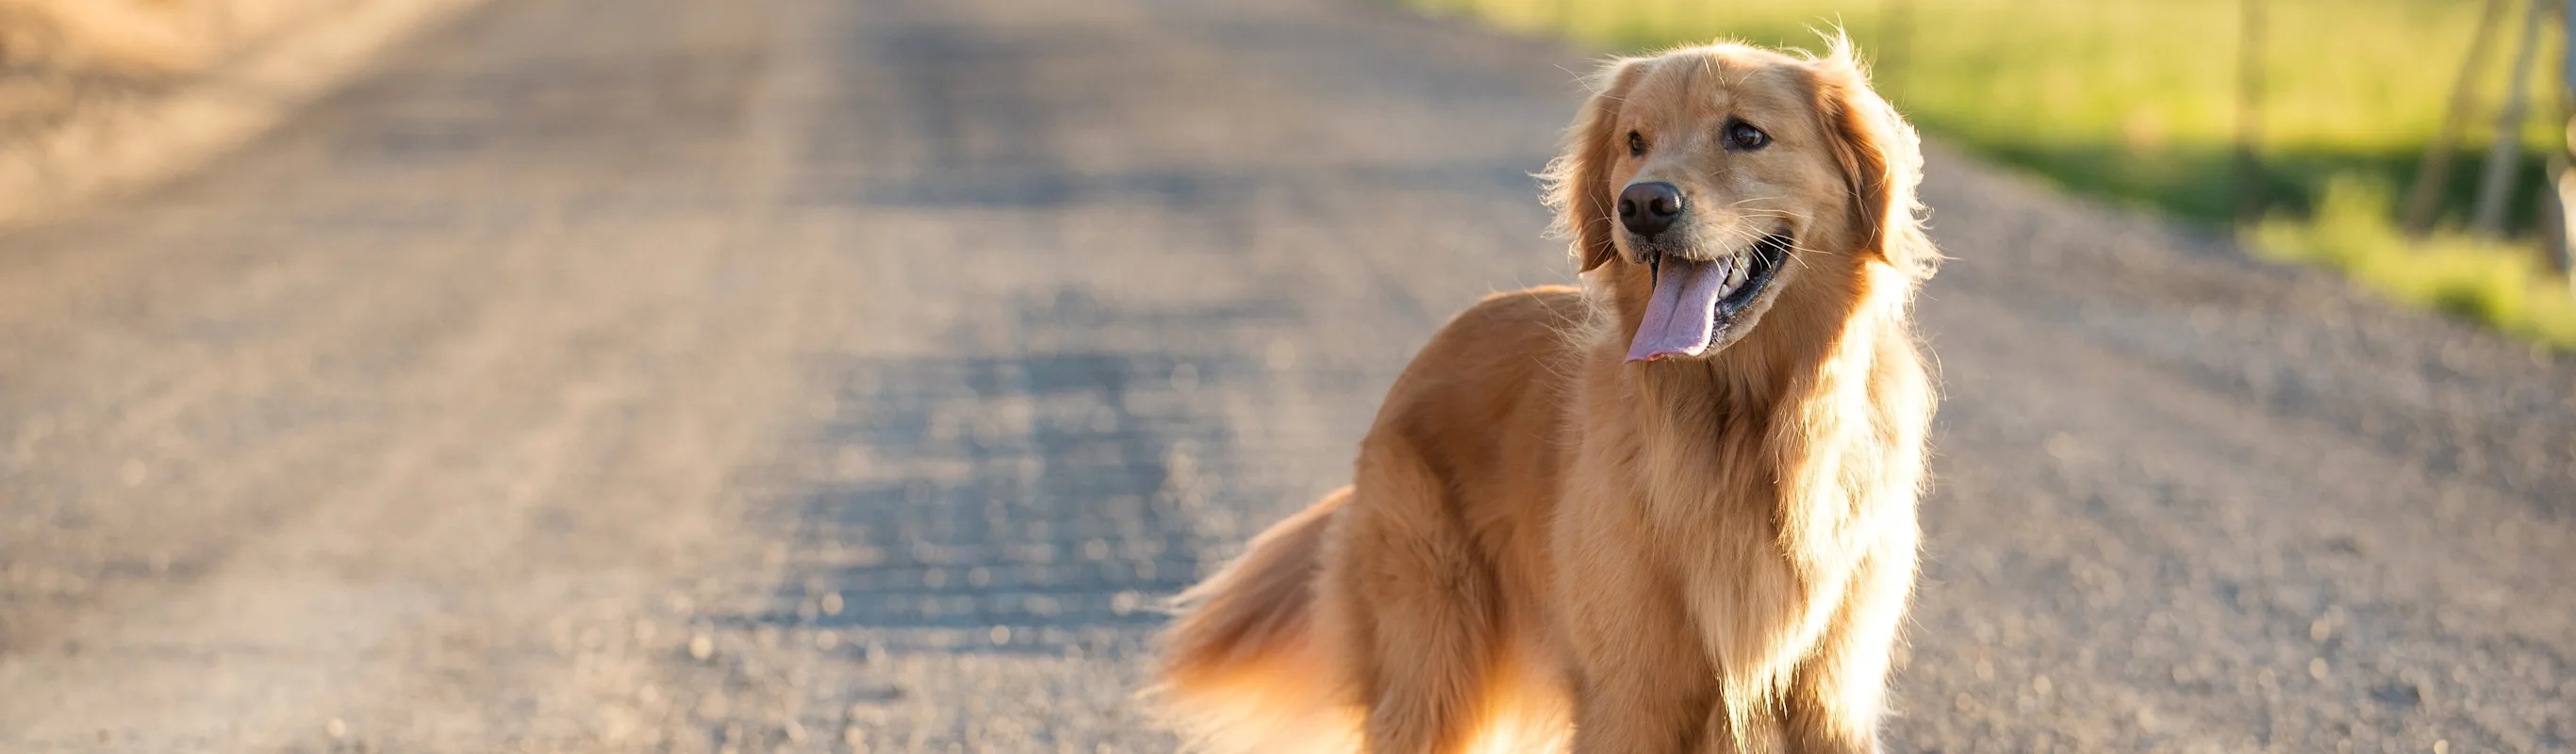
x: 2135, y: 102
x: 107, y: 95
x: 2492, y: 282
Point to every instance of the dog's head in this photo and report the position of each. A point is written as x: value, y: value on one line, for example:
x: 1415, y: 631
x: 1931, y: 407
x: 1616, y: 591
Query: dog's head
x: 1718, y: 184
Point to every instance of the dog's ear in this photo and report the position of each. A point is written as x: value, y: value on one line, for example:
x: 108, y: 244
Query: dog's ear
x: 1881, y: 159
x: 1577, y: 182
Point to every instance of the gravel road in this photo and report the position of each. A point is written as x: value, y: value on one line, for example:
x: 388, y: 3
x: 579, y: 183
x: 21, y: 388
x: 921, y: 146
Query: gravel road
x: 645, y: 375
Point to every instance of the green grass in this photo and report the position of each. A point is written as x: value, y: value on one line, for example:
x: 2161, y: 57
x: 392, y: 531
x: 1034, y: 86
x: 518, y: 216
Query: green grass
x: 2502, y: 285
x: 2134, y: 101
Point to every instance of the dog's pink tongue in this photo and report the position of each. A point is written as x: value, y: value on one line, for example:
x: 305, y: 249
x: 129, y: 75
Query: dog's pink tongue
x: 1682, y: 315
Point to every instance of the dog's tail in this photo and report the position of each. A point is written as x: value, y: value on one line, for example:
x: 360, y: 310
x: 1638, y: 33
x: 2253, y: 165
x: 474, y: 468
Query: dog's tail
x: 1245, y: 668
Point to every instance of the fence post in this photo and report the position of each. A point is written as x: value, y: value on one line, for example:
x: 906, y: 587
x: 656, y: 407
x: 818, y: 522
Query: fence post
x: 2249, y: 113
x: 2506, y: 149
x: 2433, y: 173
x: 2562, y: 253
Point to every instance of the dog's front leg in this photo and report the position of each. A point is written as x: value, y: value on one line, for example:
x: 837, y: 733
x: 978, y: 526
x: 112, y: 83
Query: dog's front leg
x: 1759, y: 617
x: 1639, y: 680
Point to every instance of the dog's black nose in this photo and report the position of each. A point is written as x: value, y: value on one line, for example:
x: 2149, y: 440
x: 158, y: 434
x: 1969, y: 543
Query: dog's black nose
x: 1649, y: 208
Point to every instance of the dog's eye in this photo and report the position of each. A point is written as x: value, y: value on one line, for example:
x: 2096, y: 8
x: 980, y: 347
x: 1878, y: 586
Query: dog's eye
x: 1743, y: 137
x: 1636, y: 145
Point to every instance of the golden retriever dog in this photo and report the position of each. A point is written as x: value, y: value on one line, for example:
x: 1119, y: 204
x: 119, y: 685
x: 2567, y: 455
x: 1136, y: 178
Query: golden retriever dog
x: 1670, y: 511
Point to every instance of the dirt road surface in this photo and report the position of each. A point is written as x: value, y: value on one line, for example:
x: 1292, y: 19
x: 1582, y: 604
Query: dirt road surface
x: 642, y: 375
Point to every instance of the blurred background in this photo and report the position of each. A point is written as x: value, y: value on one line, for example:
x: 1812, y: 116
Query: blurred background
x: 860, y: 375
x: 2417, y: 146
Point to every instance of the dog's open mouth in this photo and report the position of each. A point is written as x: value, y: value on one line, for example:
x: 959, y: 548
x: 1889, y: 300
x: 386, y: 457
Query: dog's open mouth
x: 1695, y: 302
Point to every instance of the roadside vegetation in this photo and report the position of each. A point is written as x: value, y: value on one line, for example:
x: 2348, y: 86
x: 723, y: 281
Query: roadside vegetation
x: 102, y: 96
x: 138, y: 37
x: 2502, y: 284
x: 2137, y: 102
x: 59, y: 56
